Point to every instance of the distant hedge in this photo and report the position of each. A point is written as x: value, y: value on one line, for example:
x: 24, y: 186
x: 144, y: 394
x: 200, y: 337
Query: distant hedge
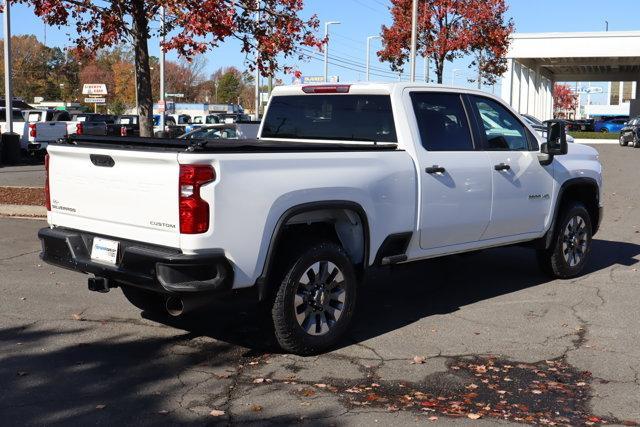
x: 595, y: 135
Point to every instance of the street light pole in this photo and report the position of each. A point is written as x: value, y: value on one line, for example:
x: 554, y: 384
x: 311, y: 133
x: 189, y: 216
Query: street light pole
x: 163, y: 104
x: 414, y: 39
x: 369, y: 52
x: 326, y: 48
x: 453, y: 75
x: 8, y: 88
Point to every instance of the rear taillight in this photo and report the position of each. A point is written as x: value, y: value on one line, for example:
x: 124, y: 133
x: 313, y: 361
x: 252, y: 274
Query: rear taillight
x: 194, y: 211
x: 33, y: 132
x: 79, y: 128
x: 47, y: 192
x: 123, y: 131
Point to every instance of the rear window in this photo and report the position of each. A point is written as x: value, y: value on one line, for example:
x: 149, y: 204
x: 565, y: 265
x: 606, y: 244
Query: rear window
x: 331, y: 117
x: 17, y: 116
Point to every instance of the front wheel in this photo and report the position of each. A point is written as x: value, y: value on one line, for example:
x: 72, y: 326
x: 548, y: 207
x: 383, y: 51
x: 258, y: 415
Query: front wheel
x: 315, y: 302
x: 623, y: 142
x: 571, y: 246
x: 636, y: 141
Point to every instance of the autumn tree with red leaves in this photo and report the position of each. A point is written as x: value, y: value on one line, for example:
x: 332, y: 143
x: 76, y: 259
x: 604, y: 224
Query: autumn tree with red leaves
x: 192, y: 28
x: 450, y: 29
x: 564, y: 100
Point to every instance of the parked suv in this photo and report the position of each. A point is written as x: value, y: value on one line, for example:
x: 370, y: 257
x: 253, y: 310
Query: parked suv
x: 630, y: 133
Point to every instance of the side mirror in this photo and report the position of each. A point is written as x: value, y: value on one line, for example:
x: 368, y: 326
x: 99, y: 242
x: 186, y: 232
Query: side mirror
x: 556, y: 144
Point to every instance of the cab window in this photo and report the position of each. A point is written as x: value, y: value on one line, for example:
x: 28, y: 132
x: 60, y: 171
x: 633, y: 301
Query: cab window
x: 501, y: 130
x: 442, y: 121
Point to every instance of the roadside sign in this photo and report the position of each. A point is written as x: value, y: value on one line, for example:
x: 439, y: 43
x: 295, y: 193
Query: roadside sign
x: 95, y: 100
x: 94, y: 89
x: 174, y: 95
x: 316, y: 79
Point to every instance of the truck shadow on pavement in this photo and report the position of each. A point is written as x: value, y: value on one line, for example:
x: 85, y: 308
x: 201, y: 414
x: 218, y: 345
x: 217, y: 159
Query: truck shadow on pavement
x: 393, y: 298
x: 122, y: 380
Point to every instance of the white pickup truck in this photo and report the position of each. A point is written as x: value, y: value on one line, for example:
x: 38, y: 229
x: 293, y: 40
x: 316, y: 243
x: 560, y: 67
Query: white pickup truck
x: 42, y: 128
x: 343, y: 179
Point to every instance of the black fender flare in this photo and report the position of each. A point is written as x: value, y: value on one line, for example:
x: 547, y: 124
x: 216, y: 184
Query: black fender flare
x: 262, y: 282
x: 568, y: 184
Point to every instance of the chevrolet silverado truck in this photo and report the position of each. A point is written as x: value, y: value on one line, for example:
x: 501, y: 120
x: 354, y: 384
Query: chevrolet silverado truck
x: 342, y: 179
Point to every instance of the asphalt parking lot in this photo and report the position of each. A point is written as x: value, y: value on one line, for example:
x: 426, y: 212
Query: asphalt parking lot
x: 482, y: 338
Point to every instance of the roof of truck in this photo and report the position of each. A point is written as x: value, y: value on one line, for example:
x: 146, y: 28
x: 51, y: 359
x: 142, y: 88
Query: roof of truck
x: 381, y: 88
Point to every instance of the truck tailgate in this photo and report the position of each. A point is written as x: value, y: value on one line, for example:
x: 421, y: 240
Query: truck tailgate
x: 49, y: 131
x: 121, y: 193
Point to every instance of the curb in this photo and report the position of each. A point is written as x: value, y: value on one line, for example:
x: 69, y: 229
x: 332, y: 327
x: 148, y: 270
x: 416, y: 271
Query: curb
x: 23, y: 211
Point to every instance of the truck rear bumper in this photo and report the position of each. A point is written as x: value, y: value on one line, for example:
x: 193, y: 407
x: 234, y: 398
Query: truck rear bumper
x: 157, y: 268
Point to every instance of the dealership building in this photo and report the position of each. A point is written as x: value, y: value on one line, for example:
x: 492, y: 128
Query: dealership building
x: 536, y: 61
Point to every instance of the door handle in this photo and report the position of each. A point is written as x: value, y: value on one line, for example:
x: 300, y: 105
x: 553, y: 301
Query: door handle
x: 502, y: 167
x: 435, y: 169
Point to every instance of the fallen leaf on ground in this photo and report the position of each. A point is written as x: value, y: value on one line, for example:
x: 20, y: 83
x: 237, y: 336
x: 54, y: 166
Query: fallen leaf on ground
x: 216, y: 413
x: 258, y: 381
x: 163, y: 412
x: 536, y: 391
x: 473, y: 416
x: 22, y: 373
x: 307, y: 392
x: 433, y: 418
x: 101, y: 406
x: 472, y: 386
x: 76, y: 316
x: 320, y: 385
x: 418, y: 360
x: 256, y: 408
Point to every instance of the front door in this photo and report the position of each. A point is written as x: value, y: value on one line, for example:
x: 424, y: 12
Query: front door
x: 455, y: 177
x: 522, y: 187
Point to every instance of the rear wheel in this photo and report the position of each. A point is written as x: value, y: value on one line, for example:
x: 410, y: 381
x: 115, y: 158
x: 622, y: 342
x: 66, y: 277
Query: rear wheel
x: 315, y: 301
x: 571, y: 244
x: 142, y: 299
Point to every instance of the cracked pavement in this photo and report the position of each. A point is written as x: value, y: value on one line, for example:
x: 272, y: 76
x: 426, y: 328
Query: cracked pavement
x: 69, y: 356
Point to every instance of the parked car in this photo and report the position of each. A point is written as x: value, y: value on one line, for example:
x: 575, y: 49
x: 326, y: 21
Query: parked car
x: 89, y: 124
x: 607, y: 126
x: 171, y: 130
x: 630, y: 133
x: 583, y: 125
x: 541, y: 127
x: 344, y: 180
x: 224, y: 131
x: 39, y: 128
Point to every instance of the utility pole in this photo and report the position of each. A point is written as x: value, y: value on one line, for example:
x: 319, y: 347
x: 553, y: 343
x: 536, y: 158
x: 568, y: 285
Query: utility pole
x: 8, y: 88
x: 257, y: 76
x: 369, y: 52
x: 414, y: 39
x: 326, y: 48
x: 480, y: 71
x: 606, y: 25
x: 426, y: 68
x: 163, y: 104
x: 453, y: 75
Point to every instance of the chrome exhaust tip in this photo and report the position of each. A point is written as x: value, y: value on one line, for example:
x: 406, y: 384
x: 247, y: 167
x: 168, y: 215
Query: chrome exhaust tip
x: 174, y: 306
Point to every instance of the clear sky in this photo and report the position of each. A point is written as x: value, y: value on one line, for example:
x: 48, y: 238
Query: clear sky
x: 362, y: 18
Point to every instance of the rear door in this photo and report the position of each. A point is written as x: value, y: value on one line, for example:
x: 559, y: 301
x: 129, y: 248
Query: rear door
x: 121, y: 193
x: 455, y: 190
x: 522, y: 187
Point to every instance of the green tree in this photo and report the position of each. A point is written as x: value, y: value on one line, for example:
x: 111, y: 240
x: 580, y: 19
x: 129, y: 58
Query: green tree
x: 229, y: 85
